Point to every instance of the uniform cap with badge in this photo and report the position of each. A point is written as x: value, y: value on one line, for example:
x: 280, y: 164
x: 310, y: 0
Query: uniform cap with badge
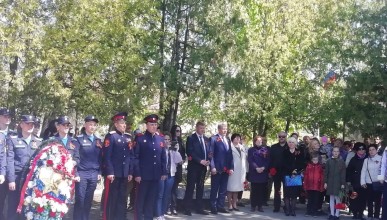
x: 91, y: 118
x: 63, y: 120
x: 27, y: 118
x: 37, y: 122
x: 152, y: 118
x: 119, y: 116
x: 4, y: 111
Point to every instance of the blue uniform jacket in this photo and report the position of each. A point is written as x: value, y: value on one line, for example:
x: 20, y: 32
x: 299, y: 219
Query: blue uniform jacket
x: 71, y: 146
x: 195, y: 150
x: 3, y: 153
x: 150, y: 156
x: 222, y: 159
x: 118, y: 154
x: 19, y: 154
x: 90, y: 153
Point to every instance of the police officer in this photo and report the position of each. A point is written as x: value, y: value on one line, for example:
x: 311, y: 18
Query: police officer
x: 21, y: 148
x: 118, y: 156
x: 63, y: 126
x: 5, y: 120
x: 150, y: 167
x: 90, y: 152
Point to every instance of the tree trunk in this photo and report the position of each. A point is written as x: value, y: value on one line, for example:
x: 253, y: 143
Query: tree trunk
x: 161, y: 63
x: 287, y: 125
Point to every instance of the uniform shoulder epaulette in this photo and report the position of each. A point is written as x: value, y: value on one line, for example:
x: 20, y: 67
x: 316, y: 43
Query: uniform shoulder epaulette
x: 79, y: 136
x: 13, y: 136
x: 112, y: 132
x: 128, y: 134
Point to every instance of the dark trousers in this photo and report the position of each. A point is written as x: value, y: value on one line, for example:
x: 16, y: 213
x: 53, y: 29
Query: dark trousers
x: 13, y: 200
x: 117, y: 199
x: 132, y: 192
x: 218, y: 190
x: 3, y: 197
x: 384, y: 208
x: 373, y: 202
x: 277, y: 180
x: 358, y: 205
x: 84, y: 193
x: 173, y: 205
x: 258, y: 194
x: 195, y: 178
x: 147, y: 192
x: 314, y: 198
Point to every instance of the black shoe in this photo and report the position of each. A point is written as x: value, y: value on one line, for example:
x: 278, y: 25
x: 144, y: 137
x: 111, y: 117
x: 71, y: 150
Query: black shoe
x: 276, y: 210
x: 235, y: 209
x: 202, y: 212
x: 214, y: 211
x: 173, y: 212
x: 240, y: 204
x: 331, y: 217
x: 223, y: 210
x: 260, y: 209
x: 187, y: 212
x: 230, y: 210
x: 293, y: 213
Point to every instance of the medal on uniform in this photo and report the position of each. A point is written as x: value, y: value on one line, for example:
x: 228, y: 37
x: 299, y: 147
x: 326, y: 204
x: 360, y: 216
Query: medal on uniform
x: 99, y: 144
x: 107, y: 143
x: 34, y: 145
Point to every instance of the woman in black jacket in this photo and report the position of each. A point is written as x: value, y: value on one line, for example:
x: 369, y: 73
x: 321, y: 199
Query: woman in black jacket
x: 177, y: 144
x: 353, y: 175
x: 293, y: 164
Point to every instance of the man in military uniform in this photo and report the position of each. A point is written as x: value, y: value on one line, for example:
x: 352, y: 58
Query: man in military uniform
x: 150, y: 167
x: 118, y: 167
x: 21, y: 149
x: 63, y: 126
x: 89, y: 168
x: 5, y: 120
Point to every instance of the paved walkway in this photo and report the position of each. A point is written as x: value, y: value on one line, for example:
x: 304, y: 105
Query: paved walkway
x: 244, y: 213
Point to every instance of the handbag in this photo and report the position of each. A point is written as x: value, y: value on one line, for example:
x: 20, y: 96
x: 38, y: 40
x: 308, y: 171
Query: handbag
x: 376, y: 186
x: 295, y: 180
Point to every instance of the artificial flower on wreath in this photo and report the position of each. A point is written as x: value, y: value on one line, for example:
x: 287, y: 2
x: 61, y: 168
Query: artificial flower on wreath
x: 49, y: 185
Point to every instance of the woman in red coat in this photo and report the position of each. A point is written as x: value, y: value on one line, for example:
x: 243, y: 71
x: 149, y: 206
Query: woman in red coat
x: 313, y: 184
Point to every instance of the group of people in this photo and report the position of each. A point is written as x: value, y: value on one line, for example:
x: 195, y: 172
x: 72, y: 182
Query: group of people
x: 149, y: 165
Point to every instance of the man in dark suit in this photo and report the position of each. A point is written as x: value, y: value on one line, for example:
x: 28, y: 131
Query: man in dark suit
x: 199, y: 157
x: 222, y: 166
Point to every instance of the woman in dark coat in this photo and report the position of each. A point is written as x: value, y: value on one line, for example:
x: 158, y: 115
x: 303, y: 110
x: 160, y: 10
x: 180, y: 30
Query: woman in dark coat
x: 353, y: 174
x: 177, y: 143
x: 258, y: 158
x: 293, y: 164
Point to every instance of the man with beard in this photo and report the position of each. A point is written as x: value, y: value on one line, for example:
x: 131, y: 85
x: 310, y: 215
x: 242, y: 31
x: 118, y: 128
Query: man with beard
x: 276, y: 164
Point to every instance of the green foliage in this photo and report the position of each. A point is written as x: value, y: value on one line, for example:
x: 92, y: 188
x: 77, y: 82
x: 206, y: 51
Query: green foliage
x: 259, y: 65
